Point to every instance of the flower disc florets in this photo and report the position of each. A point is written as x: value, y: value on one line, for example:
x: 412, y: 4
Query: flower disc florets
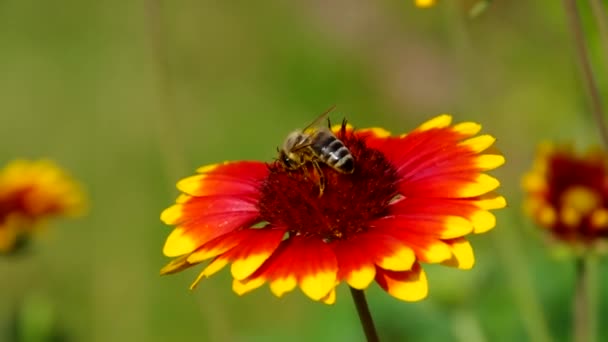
x: 291, y: 198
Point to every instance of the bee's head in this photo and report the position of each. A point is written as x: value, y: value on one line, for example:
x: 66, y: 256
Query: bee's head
x: 292, y: 160
x: 288, y: 162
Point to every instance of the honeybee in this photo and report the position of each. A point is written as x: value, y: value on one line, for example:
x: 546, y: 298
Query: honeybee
x: 316, y: 144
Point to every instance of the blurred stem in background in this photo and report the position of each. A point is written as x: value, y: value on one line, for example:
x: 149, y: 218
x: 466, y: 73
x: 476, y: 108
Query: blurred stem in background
x: 583, y: 313
x: 508, y: 244
x: 364, y: 315
x: 599, y: 13
x: 574, y: 24
x: 217, y: 322
x: 166, y: 130
x: 466, y: 327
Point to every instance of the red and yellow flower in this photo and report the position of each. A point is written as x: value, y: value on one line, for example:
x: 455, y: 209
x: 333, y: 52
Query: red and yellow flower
x: 30, y: 192
x: 412, y: 199
x: 567, y: 193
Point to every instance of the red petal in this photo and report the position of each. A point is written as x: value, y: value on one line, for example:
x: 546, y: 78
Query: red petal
x: 355, y: 266
x: 195, y: 209
x: 357, y: 256
x: 229, y: 178
x: 186, y: 239
x: 461, y: 185
x: 438, y: 226
x: 426, y: 247
x: 220, y: 245
x: 308, y: 261
x: 253, y: 251
x: 419, y: 146
x: 474, y: 209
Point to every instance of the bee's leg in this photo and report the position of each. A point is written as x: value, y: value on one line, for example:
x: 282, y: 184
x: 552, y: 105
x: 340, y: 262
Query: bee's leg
x: 306, y: 174
x: 321, y: 175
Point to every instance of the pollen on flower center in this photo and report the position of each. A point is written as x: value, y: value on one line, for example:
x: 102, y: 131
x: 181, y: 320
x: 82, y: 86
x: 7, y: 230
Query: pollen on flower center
x: 290, y: 198
x: 582, y: 199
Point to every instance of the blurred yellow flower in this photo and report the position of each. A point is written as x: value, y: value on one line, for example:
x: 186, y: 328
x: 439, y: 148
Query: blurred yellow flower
x: 425, y: 3
x: 30, y: 192
x: 567, y: 193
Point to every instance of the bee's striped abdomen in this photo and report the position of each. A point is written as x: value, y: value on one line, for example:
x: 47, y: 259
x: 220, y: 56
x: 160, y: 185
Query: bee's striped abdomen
x: 333, y: 152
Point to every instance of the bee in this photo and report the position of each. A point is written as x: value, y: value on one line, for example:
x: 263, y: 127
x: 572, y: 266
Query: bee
x: 316, y: 144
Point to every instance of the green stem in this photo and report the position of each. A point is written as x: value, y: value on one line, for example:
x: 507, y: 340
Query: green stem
x: 583, y: 323
x: 574, y: 23
x: 364, y: 315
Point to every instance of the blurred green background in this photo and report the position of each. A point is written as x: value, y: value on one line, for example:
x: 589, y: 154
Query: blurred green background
x: 131, y: 96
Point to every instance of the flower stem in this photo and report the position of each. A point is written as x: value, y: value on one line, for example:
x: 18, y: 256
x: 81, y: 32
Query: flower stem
x: 582, y: 321
x: 574, y: 23
x: 364, y: 315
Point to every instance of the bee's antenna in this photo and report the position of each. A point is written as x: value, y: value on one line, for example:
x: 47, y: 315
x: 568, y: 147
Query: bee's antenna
x: 343, y: 127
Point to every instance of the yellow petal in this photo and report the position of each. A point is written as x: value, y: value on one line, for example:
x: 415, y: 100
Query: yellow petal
x: 241, y: 287
x: 209, y: 168
x: 281, y: 286
x: 489, y: 161
x: 455, y: 226
x: 361, y: 278
x: 462, y: 255
x: 182, y: 198
x: 491, y: 201
x: 440, y: 121
x: 479, y: 143
x: 191, y: 185
x: 244, y: 267
x: 318, y: 285
x: 213, y: 267
x: 172, y: 214
x: 413, y: 289
x: 436, y: 252
x: 467, y: 128
x: 483, y: 184
x: 330, y: 298
x: 377, y: 131
x: 338, y: 127
x: 483, y: 221
x: 204, y: 253
x: 401, y: 260
x: 178, y: 243
x: 175, y: 265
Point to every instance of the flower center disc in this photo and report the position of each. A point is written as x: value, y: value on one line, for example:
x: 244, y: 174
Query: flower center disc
x: 290, y: 198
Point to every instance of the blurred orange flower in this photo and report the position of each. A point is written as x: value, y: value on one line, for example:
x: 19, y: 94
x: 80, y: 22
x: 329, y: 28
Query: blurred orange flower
x: 30, y: 192
x: 412, y: 198
x: 567, y: 193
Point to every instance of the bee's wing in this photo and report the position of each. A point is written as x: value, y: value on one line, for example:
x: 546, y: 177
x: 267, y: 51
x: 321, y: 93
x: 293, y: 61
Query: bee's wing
x: 304, y: 143
x: 316, y: 122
